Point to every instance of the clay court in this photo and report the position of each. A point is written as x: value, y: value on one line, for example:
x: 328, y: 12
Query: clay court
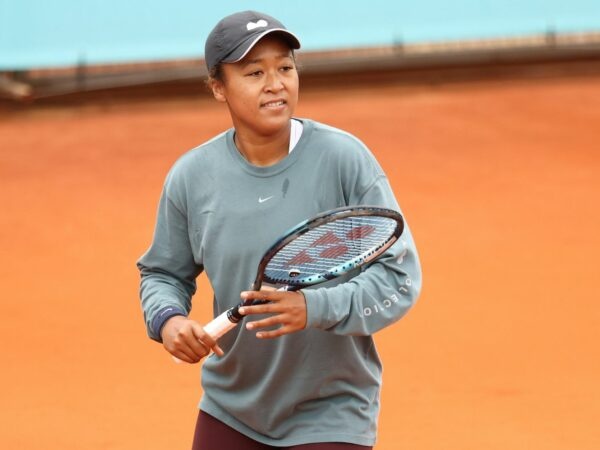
x: 499, y: 180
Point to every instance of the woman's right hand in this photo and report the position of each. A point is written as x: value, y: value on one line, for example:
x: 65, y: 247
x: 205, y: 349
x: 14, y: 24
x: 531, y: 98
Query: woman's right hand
x: 186, y: 340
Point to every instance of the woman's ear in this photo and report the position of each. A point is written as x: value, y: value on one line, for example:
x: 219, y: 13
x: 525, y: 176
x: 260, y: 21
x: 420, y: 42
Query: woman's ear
x: 218, y: 90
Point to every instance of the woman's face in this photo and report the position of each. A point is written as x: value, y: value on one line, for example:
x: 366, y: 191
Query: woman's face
x: 261, y: 90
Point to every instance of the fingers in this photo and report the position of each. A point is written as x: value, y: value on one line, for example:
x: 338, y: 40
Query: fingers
x: 271, y: 334
x: 187, y: 347
x: 262, y: 296
x: 275, y: 302
x: 288, y: 325
x: 187, y: 341
x: 206, y: 340
x: 287, y: 309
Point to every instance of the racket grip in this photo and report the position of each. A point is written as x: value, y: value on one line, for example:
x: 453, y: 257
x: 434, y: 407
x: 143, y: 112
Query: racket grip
x: 219, y: 325
x: 216, y: 328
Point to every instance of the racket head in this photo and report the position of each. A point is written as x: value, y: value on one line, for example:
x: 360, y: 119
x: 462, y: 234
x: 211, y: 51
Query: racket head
x: 329, y: 245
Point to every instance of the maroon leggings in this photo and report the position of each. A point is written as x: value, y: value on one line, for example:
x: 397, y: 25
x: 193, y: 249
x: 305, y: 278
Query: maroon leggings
x: 212, y: 434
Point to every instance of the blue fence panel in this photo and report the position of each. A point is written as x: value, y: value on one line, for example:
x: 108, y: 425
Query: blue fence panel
x: 42, y: 33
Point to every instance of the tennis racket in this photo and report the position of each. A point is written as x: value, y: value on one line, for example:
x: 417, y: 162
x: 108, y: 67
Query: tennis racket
x: 317, y: 250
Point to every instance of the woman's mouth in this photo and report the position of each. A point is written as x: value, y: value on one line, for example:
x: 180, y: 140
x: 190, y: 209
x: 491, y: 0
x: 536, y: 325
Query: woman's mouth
x: 273, y: 104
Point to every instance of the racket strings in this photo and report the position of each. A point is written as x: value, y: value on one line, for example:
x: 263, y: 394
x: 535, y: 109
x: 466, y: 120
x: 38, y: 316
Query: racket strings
x: 329, y: 246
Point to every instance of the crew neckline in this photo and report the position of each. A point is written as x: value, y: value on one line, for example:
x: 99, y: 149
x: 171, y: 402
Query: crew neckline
x: 278, y: 167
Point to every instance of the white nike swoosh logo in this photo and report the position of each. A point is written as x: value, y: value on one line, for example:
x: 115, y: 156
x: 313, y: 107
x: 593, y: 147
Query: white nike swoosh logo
x: 262, y: 200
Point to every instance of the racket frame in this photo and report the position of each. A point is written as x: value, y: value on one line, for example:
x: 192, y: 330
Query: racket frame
x: 321, y: 219
x: 229, y: 319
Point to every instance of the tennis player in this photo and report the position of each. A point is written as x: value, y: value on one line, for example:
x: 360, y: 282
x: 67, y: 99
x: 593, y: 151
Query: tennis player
x: 301, y: 372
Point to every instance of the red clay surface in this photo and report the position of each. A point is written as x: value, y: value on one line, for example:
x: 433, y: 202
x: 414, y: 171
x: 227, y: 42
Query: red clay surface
x: 500, y: 182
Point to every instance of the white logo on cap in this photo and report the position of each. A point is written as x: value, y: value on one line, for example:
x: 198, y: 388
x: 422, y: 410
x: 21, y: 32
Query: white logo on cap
x: 260, y: 23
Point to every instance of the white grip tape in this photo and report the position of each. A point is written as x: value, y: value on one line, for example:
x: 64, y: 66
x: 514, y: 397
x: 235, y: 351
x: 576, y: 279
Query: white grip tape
x: 219, y: 326
x: 215, y: 328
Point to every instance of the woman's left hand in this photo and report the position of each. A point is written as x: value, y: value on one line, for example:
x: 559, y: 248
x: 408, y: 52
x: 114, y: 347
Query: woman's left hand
x: 287, y: 309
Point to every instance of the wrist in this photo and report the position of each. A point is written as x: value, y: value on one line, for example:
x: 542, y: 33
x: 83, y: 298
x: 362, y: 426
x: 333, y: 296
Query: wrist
x: 162, y: 317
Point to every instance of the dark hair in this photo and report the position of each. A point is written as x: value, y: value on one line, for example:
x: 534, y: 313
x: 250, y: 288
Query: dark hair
x: 216, y: 73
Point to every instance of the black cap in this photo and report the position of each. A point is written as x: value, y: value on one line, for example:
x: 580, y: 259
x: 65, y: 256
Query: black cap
x: 235, y: 35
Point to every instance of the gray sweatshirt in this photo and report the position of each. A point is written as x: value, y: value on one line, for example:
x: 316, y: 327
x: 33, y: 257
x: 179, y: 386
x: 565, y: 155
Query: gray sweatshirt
x: 218, y: 214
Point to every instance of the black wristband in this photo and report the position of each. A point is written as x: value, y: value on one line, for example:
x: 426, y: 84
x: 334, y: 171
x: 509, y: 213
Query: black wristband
x: 159, y: 320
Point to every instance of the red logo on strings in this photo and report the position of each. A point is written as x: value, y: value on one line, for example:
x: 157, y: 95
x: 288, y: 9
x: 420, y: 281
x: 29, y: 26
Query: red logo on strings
x: 327, y: 238
x: 359, y: 232
x: 334, y: 252
x: 301, y: 258
x: 330, y: 246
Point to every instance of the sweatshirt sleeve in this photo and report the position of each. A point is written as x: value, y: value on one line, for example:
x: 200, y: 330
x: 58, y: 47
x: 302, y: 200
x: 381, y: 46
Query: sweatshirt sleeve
x: 168, y: 269
x: 383, y: 291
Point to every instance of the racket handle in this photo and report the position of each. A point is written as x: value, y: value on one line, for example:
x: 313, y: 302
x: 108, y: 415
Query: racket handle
x: 216, y: 328
x: 219, y: 325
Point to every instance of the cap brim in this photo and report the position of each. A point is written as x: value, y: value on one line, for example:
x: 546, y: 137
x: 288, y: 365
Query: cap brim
x: 242, y: 50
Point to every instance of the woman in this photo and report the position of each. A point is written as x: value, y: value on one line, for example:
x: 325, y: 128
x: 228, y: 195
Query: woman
x: 302, y: 371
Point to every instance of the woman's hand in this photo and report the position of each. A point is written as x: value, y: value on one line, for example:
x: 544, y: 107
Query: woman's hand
x: 287, y: 309
x: 186, y: 340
